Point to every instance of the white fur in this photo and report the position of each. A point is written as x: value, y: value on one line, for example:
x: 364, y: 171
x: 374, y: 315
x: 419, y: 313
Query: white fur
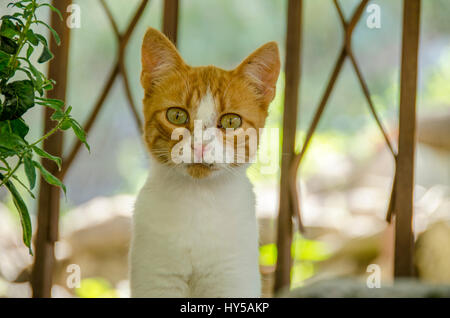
x: 195, y: 237
x: 207, y: 111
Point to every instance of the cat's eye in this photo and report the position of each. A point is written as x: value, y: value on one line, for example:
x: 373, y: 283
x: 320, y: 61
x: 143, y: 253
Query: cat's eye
x: 177, y: 116
x: 230, y: 121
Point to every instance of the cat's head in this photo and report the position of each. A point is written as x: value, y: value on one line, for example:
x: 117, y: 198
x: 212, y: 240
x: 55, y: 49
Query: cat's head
x: 199, y: 113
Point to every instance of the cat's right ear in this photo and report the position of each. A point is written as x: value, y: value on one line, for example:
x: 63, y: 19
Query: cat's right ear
x: 159, y: 58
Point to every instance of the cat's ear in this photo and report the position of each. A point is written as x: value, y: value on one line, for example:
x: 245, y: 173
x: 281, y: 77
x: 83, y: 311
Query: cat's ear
x: 159, y: 57
x: 262, y: 68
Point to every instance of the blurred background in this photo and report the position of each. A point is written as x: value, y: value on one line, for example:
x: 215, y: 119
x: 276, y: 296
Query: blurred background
x: 346, y: 177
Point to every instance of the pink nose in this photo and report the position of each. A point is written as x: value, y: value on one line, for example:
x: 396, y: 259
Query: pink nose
x: 199, y: 151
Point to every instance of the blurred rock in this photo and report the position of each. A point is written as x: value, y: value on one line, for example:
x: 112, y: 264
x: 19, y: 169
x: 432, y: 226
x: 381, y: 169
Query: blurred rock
x: 434, y: 130
x: 352, y: 288
x: 96, y: 236
x: 433, y: 254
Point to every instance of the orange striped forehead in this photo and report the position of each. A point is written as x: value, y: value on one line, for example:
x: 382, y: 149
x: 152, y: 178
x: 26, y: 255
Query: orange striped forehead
x: 207, y: 93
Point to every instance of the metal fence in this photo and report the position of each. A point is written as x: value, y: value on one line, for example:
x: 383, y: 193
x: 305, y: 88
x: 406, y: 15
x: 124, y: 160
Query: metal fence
x: 402, y: 191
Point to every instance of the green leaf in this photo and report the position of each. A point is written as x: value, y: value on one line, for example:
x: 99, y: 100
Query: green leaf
x: 19, y: 127
x: 32, y: 37
x: 4, y: 61
x: 48, y: 86
x: 54, y: 33
x: 58, y: 115
x: 79, y: 132
x: 9, y: 29
x: 30, y: 171
x: 51, y: 179
x: 56, y: 102
x: 66, y: 124
x: 24, y: 186
x: 14, y: 17
x: 11, y: 141
x: 29, y: 51
x: 39, y: 77
x: 19, y: 97
x: 46, y: 55
x: 53, y: 9
x: 8, y: 46
x: 42, y: 153
x: 41, y: 39
x: 5, y: 153
x: 23, y: 213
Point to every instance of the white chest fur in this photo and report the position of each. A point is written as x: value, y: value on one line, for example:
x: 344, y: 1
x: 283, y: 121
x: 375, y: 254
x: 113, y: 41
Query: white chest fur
x: 195, y: 238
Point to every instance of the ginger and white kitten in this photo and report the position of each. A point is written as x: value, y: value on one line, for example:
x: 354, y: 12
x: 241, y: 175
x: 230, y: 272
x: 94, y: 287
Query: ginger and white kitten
x: 195, y: 232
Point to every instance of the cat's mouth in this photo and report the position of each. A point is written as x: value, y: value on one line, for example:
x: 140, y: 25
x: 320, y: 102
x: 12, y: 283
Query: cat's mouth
x: 201, y: 170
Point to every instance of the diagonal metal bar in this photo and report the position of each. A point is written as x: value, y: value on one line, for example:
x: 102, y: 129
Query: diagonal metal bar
x: 323, y: 102
x: 90, y: 122
x: 391, y: 206
x: 119, y: 68
x: 129, y: 95
x: 312, y: 128
x: 121, y: 60
x: 137, y: 15
x: 294, y: 193
x: 373, y: 111
x: 358, y: 72
x: 355, y: 18
x: 111, y: 19
x: 341, y: 14
x: 345, y: 51
x: 122, y: 40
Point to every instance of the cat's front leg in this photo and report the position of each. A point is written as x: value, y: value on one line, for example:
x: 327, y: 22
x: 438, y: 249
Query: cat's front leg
x: 222, y: 281
x: 158, y: 272
x: 159, y: 286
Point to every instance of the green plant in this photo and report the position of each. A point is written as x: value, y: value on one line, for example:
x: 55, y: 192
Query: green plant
x: 18, y: 42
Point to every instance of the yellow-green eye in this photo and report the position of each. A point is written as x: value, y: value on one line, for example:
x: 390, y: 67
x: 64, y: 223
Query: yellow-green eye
x: 177, y: 116
x: 230, y: 121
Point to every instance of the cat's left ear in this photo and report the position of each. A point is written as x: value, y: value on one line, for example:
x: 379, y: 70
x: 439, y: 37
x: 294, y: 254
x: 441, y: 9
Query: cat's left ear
x: 262, y: 68
x: 159, y: 58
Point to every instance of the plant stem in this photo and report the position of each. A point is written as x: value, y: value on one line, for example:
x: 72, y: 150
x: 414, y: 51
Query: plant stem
x: 51, y: 132
x: 8, y: 176
x: 23, y: 34
x: 5, y: 163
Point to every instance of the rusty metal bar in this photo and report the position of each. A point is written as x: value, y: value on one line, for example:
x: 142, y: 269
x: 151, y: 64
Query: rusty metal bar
x: 49, y: 196
x: 111, y: 19
x: 323, y: 102
x: 374, y: 113
x: 404, y: 236
x: 136, y: 17
x: 119, y: 68
x: 129, y: 95
x: 67, y: 162
x: 391, y: 206
x: 346, y: 51
x: 170, y: 19
x: 348, y: 29
x: 292, y: 70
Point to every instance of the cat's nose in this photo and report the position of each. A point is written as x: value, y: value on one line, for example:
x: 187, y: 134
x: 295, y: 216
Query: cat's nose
x: 199, y: 150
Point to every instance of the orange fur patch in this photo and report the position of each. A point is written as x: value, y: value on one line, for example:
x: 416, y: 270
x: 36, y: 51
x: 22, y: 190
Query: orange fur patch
x: 169, y: 82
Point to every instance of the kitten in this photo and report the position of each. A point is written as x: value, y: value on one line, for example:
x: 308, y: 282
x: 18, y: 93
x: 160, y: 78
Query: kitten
x: 195, y: 232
